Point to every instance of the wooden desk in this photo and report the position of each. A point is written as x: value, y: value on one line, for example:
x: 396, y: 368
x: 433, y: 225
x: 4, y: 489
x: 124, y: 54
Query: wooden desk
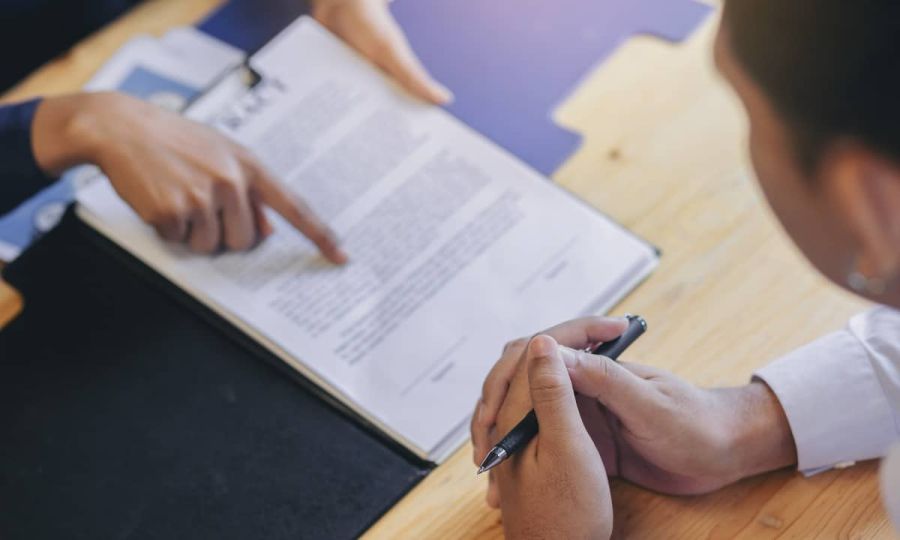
x: 664, y: 154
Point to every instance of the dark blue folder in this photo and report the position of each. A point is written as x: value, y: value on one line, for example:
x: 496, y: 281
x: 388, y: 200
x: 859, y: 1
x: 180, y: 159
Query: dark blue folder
x: 130, y: 410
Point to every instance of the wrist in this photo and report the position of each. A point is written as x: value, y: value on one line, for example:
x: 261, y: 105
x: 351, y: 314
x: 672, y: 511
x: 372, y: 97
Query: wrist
x: 761, y: 438
x: 68, y: 130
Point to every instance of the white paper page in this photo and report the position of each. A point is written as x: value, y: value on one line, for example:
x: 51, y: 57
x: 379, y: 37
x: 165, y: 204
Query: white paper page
x: 456, y: 246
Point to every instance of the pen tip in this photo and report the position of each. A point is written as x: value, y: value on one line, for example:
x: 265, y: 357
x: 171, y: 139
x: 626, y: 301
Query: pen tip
x: 494, y: 458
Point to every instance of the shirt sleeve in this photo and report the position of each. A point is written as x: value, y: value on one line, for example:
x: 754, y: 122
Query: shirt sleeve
x: 20, y: 176
x: 890, y: 485
x: 841, y: 393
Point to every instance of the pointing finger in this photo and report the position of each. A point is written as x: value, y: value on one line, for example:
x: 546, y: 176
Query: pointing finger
x: 298, y: 214
x: 587, y: 331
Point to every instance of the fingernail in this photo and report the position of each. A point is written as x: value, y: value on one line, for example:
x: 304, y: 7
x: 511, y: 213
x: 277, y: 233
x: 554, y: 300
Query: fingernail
x: 339, y: 257
x: 544, y: 346
x: 443, y: 94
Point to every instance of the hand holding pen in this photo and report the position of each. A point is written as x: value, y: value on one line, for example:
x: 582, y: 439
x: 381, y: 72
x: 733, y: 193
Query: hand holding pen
x: 556, y: 487
x: 527, y: 428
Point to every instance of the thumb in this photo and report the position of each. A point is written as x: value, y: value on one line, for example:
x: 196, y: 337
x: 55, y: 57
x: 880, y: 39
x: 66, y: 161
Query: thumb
x: 400, y: 61
x: 552, y: 395
x: 609, y: 382
x: 397, y: 58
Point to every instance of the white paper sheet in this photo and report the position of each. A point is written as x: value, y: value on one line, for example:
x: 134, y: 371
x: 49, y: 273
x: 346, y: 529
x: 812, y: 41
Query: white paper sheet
x: 456, y: 246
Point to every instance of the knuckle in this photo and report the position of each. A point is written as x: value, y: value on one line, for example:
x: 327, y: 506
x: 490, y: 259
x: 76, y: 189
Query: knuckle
x: 486, y: 387
x: 165, y: 216
x: 473, y: 423
x: 242, y: 154
x: 579, y: 358
x: 228, y: 184
x: 605, y: 374
x: 199, y: 200
x: 169, y: 222
x: 233, y: 169
x: 166, y: 233
x: 483, y: 420
x: 157, y: 217
x: 229, y: 181
x: 491, y: 384
x: 606, y: 369
x: 173, y: 212
x: 546, y: 388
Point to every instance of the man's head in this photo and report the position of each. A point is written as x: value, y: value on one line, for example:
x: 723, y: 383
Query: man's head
x: 820, y: 80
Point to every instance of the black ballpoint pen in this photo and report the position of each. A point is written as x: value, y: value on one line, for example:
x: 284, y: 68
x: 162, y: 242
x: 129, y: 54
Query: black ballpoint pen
x: 525, y: 430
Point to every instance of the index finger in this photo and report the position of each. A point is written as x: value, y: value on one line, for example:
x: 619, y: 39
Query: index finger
x: 292, y: 208
x: 493, y: 392
x: 587, y: 332
x: 576, y: 334
x: 516, y: 403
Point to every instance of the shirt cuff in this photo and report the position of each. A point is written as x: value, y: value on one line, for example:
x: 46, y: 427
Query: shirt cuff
x: 890, y: 485
x: 834, y: 402
x: 15, y: 123
x: 20, y: 175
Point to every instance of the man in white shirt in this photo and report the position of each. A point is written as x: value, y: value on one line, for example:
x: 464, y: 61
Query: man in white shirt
x: 841, y: 393
x: 819, y: 80
x: 828, y: 404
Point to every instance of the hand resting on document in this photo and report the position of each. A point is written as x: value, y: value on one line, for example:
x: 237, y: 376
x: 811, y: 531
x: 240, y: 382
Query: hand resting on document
x: 192, y: 184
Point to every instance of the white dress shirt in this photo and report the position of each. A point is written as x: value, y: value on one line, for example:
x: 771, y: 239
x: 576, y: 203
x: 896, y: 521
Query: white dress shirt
x: 841, y: 395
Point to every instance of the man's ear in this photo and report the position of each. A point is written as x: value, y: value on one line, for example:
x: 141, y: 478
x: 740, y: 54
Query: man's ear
x: 863, y: 187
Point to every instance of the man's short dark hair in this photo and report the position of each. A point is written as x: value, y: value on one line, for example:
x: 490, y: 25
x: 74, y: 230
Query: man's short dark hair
x: 831, y: 68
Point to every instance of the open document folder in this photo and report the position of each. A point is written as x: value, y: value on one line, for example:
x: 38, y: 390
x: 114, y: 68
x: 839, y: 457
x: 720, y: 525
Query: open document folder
x: 456, y: 246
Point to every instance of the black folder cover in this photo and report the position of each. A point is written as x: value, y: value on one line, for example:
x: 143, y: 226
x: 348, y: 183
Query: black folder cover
x: 129, y: 410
